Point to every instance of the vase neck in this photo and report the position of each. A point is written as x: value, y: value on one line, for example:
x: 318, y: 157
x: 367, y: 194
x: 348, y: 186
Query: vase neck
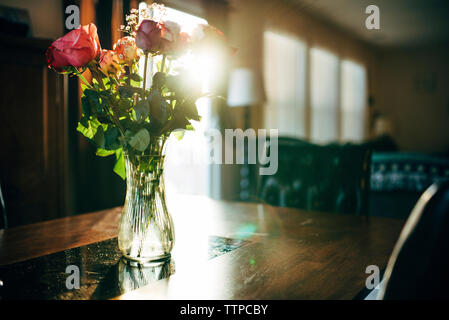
x: 145, y: 167
x: 156, y: 147
x: 144, y: 170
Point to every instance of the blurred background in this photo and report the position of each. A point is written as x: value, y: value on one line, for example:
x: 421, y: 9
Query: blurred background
x: 309, y: 68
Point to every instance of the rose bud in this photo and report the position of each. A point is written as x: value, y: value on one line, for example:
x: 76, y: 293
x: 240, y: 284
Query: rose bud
x: 76, y: 48
x: 126, y: 50
x: 109, y: 63
x: 148, y: 37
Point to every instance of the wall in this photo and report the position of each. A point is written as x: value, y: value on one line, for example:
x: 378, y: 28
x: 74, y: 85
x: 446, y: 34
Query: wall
x: 419, y: 116
x: 45, y: 15
x: 414, y: 94
x: 249, y: 19
x: 247, y: 22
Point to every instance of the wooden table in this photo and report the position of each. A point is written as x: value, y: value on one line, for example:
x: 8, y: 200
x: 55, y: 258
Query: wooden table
x: 290, y: 254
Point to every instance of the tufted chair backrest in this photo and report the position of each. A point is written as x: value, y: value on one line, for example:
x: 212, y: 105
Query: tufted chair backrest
x: 419, y: 264
x: 332, y: 178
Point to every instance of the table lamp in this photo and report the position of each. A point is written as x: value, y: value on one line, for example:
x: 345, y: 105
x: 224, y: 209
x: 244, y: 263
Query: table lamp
x: 245, y: 90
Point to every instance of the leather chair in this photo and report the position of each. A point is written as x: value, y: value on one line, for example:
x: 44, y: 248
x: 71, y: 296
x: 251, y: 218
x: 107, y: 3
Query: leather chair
x: 399, y: 178
x: 418, y: 267
x: 331, y: 178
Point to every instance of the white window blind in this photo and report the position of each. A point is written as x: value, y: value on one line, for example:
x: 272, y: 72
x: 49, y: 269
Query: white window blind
x: 353, y: 101
x: 285, y: 79
x: 324, y: 95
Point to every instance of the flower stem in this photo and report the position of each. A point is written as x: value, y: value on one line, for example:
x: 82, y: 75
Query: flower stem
x: 145, y: 71
x: 163, y: 63
x: 80, y: 75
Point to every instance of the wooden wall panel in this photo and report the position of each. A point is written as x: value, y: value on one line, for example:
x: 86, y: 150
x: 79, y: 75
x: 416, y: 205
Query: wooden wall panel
x: 32, y: 133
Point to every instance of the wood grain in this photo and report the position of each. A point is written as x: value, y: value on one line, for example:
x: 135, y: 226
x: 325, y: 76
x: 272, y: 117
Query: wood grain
x: 35, y: 240
x: 292, y: 254
x: 32, y: 165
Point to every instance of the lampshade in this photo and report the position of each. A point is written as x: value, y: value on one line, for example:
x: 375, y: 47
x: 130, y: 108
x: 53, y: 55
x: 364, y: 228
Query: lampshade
x: 245, y: 89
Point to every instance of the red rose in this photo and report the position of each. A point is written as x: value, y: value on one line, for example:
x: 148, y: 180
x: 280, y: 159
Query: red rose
x: 77, y: 48
x: 148, y: 37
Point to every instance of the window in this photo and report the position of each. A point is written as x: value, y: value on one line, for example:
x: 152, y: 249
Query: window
x: 324, y: 95
x: 285, y: 75
x: 325, y: 105
x: 353, y: 97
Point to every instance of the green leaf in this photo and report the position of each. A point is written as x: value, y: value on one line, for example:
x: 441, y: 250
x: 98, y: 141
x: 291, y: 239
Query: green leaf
x: 99, y: 138
x: 119, y: 166
x: 111, y: 139
x: 84, y: 121
x: 173, y: 83
x: 124, y: 105
x: 90, y: 130
x: 142, y: 110
x: 135, y: 77
x: 92, y: 100
x: 105, y: 153
x: 179, y: 134
x: 128, y: 91
x: 102, y: 135
x: 85, y: 104
x: 179, y: 122
x: 158, y: 107
x: 190, y: 111
x: 159, y: 79
x: 140, y: 140
x: 83, y: 86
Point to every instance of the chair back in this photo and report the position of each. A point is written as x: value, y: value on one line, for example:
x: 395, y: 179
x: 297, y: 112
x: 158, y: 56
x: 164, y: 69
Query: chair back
x: 3, y: 220
x: 332, y: 178
x: 399, y: 178
x: 418, y: 267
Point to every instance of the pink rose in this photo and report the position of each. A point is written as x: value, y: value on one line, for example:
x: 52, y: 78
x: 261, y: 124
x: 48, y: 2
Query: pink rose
x: 148, y: 37
x: 109, y: 63
x: 174, y: 42
x: 77, y: 48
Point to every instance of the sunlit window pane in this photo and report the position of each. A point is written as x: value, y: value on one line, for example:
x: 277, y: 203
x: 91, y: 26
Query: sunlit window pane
x: 324, y: 95
x: 353, y: 98
x: 285, y: 75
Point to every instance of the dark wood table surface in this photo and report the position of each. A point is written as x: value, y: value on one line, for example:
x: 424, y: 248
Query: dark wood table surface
x: 289, y: 254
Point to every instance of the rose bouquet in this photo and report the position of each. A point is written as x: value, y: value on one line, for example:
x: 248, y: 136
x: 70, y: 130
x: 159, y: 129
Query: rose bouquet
x: 131, y: 115
x: 119, y: 114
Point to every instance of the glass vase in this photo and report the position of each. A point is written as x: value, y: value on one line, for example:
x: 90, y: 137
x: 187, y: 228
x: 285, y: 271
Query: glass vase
x: 146, y: 232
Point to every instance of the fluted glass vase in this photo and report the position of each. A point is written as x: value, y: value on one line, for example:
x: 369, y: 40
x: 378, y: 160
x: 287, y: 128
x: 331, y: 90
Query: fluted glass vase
x: 146, y: 232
